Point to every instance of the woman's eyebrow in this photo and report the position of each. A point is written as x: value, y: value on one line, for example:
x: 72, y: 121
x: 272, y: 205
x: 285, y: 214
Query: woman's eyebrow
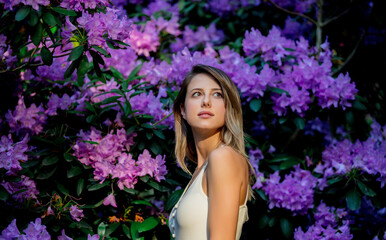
x: 201, y: 89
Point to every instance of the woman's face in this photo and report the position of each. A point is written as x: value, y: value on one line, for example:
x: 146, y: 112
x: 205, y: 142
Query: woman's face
x: 204, y: 106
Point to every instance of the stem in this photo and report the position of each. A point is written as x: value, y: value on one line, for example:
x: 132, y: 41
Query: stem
x: 293, y: 13
x: 156, y: 123
x: 349, y: 56
x: 319, y: 24
x: 335, y: 17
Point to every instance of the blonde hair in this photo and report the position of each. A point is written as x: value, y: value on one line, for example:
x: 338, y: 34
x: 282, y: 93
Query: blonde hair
x: 232, y: 133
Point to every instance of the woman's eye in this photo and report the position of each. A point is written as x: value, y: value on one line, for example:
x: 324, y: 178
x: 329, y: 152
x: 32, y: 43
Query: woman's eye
x: 196, y: 94
x: 217, y: 94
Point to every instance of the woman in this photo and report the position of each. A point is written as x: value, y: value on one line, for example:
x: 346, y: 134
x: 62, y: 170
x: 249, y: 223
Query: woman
x: 209, y: 132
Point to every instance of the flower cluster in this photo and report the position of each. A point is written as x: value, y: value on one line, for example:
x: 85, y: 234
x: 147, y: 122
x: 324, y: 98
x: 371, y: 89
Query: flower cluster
x: 326, y: 226
x: 76, y: 213
x: 25, y: 119
x: 35, y: 230
x: 80, y: 5
x: 11, y: 154
x: 299, y: 73
x: 108, y: 156
x: 295, y: 192
x: 254, y: 157
x: 151, y: 105
x: 34, y: 3
x: 300, y: 6
x: 55, y: 102
x: 6, y: 57
x: 368, y: 156
x: 99, y: 24
x: 23, y: 189
x: 225, y: 7
x: 201, y: 36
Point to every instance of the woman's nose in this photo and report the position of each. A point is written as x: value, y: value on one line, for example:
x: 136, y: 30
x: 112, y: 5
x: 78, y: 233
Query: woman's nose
x: 206, y: 101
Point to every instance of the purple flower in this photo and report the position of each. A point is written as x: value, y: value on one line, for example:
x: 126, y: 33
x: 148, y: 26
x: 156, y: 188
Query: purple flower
x: 64, y: 236
x: 295, y: 192
x: 110, y: 200
x: 369, y: 156
x: 30, y: 119
x: 80, y: 5
x: 93, y: 237
x: 56, y: 102
x: 151, y: 166
x: 35, y: 231
x: 99, y: 24
x: 34, y: 3
x: 6, y: 52
x: 144, y: 39
x: 11, y: 154
x: 161, y: 5
x: 11, y: 232
x: 201, y: 36
x: 76, y: 213
x: 23, y: 189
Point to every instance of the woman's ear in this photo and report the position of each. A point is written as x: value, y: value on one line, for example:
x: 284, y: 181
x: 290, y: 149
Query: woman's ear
x: 183, y: 111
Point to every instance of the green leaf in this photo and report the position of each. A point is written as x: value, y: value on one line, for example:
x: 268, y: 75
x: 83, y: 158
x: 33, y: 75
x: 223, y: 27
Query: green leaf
x: 102, y: 51
x: 49, y: 19
x: 113, y: 99
x: 173, y: 199
x: 159, y: 134
x: 50, y: 160
x: 157, y: 186
x: 365, y: 189
x: 46, y: 56
x: 37, y: 36
x: 112, y: 227
x: 71, y: 68
x: 64, y: 11
x: 62, y: 188
x: 288, y: 164
x: 22, y: 13
x: 353, y: 199
x: 147, y: 225
x: 76, y: 53
x: 155, y: 148
x: 74, y: 171
x: 83, y: 68
x: 126, y: 230
x: 68, y: 157
x: 33, y: 19
x: 44, y: 174
x: 134, y: 73
x: 4, y: 195
x: 98, y: 186
x: 262, y: 194
x: 300, y: 123
x: 263, y: 221
x: 142, y: 202
x: 102, y: 228
x: 80, y: 186
x: 255, y: 105
x: 286, y: 227
x: 117, y: 75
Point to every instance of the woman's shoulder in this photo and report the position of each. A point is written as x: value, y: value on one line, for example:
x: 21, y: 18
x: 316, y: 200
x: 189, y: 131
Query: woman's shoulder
x: 226, y: 159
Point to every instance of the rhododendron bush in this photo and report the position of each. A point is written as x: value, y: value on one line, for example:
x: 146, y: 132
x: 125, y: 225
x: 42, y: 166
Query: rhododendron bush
x: 86, y: 145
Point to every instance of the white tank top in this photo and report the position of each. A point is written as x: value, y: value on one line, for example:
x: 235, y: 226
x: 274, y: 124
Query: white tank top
x: 189, y: 217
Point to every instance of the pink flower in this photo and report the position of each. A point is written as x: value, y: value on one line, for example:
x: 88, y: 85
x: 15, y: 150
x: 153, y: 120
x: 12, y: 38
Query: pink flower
x: 76, y: 213
x: 110, y: 200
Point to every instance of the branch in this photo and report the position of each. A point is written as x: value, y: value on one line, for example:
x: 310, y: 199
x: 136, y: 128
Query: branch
x: 349, y: 56
x: 293, y: 13
x: 334, y: 18
x: 155, y: 124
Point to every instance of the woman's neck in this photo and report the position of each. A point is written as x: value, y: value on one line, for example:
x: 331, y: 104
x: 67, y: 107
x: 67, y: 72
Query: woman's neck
x: 205, y: 145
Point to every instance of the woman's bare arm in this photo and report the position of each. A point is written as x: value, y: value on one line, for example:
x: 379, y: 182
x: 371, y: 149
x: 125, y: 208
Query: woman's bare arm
x: 224, y: 181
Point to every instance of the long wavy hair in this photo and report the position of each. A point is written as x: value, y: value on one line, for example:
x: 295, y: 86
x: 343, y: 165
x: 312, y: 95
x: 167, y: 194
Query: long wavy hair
x: 232, y: 133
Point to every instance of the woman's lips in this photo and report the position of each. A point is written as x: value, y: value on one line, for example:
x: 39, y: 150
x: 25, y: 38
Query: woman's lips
x: 205, y: 114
